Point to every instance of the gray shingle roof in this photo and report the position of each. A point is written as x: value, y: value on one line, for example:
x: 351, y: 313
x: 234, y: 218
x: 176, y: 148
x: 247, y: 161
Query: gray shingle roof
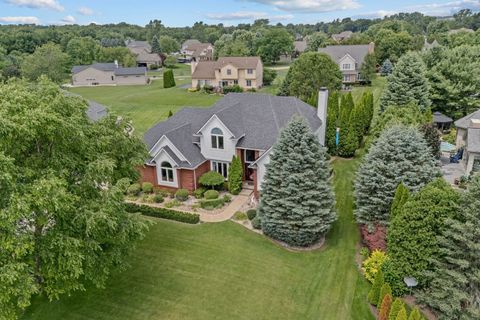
x: 473, y: 140
x: 130, y: 71
x: 464, y: 122
x: 357, y: 52
x: 300, y: 46
x: 254, y: 118
x: 96, y: 111
x: 439, y: 117
x: 99, y: 66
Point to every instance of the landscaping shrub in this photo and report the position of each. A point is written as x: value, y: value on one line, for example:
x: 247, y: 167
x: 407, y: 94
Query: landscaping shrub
x: 415, y: 315
x: 199, y: 193
x: 147, y: 187
x: 402, y: 314
x: 212, y: 179
x: 269, y: 76
x: 168, y: 79
x: 212, y: 204
x: 373, y: 264
x: 251, y: 214
x: 173, y: 203
x: 240, y: 216
x: 211, y: 194
x: 235, y: 174
x: 383, y: 292
x: 257, y: 223
x: 236, y: 88
x: 182, y: 195
x: 227, y: 198
x: 365, y: 253
x: 134, y: 189
x: 158, y: 198
x: 374, y: 236
x: 164, y: 193
x: 163, y: 213
x: 385, y: 307
x: 432, y: 136
x: 207, y: 88
x: 395, y: 309
x: 375, y: 289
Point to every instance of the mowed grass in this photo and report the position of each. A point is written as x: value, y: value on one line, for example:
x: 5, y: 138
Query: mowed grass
x: 147, y: 105
x: 224, y: 271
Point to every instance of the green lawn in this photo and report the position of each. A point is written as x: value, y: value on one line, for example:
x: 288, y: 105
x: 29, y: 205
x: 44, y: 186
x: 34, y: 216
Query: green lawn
x: 146, y: 105
x: 223, y: 271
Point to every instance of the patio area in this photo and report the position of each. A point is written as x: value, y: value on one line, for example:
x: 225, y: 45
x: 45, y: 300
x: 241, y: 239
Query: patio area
x: 451, y: 171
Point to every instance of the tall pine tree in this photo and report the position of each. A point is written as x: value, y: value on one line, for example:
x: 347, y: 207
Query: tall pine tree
x: 235, y: 174
x: 332, y: 123
x: 297, y: 202
x: 156, y: 45
x: 387, y: 68
x: 454, y: 290
x: 399, y: 155
x: 407, y: 84
x: 402, y: 194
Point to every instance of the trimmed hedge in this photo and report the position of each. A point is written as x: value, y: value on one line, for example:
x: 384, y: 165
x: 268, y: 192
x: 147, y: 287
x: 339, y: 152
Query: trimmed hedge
x: 147, y: 187
x: 251, y: 214
x: 163, y: 213
x: 212, y: 204
x: 199, y: 193
x: 181, y: 195
x: 134, y: 189
x: 211, y: 194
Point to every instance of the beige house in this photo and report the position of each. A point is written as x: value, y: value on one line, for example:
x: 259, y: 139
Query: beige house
x: 468, y: 137
x: 339, y: 37
x: 247, y: 72
x: 194, y: 50
x: 143, y: 53
x: 104, y: 74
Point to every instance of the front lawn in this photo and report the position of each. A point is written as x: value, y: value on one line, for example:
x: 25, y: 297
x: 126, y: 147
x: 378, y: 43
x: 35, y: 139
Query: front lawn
x: 224, y: 271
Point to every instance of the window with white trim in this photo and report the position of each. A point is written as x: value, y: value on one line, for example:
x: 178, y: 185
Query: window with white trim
x: 346, y: 66
x: 217, y: 138
x: 249, y: 83
x: 167, y: 172
x: 220, y: 167
x: 229, y: 72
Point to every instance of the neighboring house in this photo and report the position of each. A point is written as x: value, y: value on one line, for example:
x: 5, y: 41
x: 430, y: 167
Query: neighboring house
x: 247, y: 72
x: 101, y: 74
x: 197, y: 140
x: 339, y: 37
x: 96, y: 111
x: 299, y: 47
x: 143, y: 53
x: 194, y: 50
x: 428, y: 46
x: 350, y: 59
x: 468, y: 137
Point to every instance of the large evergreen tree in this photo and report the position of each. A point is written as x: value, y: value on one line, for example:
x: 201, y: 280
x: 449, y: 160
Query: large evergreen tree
x: 454, y: 290
x: 386, y: 68
x: 412, y: 235
x: 235, y: 174
x: 399, y: 155
x: 156, y: 45
x: 62, y: 220
x: 407, y: 84
x: 296, y: 204
x: 332, y: 122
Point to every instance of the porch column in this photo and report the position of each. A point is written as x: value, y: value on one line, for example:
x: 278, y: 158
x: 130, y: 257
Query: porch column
x: 471, y: 160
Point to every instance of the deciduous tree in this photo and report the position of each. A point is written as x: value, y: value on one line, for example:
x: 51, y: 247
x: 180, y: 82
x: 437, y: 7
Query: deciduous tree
x: 48, y: 60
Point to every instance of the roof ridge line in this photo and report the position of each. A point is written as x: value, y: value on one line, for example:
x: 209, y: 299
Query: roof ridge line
x: 273, y: 112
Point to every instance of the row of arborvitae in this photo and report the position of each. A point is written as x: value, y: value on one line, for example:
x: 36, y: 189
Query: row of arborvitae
x: 381, y: 296
x: 297, y: 203
x: 352, y: 119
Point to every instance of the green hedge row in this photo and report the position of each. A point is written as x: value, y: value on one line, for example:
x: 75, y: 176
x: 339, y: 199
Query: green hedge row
x: 163, y: 213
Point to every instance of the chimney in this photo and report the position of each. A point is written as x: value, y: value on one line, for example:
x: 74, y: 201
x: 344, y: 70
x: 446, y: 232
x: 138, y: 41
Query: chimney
x: 474, y: 124
x: 371, y: 47
x: 116, y: 63
x: 322, y: 113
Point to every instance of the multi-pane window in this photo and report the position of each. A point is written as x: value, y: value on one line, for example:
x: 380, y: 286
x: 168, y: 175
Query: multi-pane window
x: 217, y: 138
x: 346, y: 66
x: 249, y: 83
x: 220, y: 167
x: 249, y: 71
x: 167, y: 172
x: 235, y: 82
x: 229, y: 72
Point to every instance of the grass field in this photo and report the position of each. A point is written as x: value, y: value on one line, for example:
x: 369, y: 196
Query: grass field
x: 224, y: 271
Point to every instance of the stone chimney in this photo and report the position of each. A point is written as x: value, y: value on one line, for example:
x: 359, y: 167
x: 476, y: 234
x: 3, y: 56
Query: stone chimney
x: 371, y: 47
x: 322, y: 113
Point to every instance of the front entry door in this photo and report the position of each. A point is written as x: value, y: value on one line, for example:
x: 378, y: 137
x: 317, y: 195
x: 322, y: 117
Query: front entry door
x: 249, y: 157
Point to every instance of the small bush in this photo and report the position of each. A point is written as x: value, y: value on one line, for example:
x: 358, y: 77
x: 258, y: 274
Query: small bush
x: 146, y: 198
x: 207, y: 88
x: 373, y: 264
x: 182, y: 195
x: 374, y: 292
x: 212, y: 204
x: 164, y: 193
x: 257, y: 223
x: 211, y: 194
x: 251, y: 214
x: 199, y: 193
x: 173, y: 203
x: 383, y: 292
x: 252, y: 90
x: 269, y: 76
x: 134, y: 189
x: 147, y: 187
x: 168, y: 79
x: 163, y: 213
x: 240, y: 216
x: 158, y: 198
x: 365, y: 253
x: 227, y: 198
x: 235, y: 88
x: 211, y: 179
x: 153, y: 67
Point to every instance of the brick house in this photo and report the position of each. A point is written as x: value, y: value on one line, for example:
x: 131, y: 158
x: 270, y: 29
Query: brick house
x: 197, y: 140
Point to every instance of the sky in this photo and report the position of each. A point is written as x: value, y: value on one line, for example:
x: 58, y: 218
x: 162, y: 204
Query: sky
x: 229, y: 12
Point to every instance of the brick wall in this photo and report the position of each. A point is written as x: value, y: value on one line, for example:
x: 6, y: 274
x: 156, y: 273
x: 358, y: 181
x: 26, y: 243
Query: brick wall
x: 148, y: 174
x: 203, y: 168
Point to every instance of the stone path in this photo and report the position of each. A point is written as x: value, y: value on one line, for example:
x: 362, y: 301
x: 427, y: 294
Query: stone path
x: 230, y: 210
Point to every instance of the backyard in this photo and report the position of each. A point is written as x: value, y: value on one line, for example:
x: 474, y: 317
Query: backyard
x: 224, y: 271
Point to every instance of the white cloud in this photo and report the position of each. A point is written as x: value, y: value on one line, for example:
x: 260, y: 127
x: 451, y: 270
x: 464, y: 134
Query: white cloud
x: 375, y: 14
x: 68, y: 20
x: 36, y: 4
x: 309, y: 6
x: 85, y: 11
x: 447, y: 8
x: 20, y: 20
x: 247, y: 15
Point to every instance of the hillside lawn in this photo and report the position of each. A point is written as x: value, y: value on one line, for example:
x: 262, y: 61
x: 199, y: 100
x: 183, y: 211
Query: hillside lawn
x: 224, y: 271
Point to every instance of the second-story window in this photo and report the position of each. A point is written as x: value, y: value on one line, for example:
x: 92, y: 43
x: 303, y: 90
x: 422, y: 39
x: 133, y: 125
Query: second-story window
x: 250, y: 71
x: 217, y: 138
x: 346, y: 66
x: 229, y: 72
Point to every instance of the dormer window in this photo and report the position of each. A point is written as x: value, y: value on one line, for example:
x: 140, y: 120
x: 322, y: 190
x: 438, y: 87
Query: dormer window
x: 229, y: 72
x: 167, y: 171
x: 217, y: 138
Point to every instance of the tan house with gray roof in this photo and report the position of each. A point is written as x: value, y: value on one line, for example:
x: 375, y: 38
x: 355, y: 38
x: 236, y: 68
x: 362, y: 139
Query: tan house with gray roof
x: 143, y: 53
x: 247, y: 72
x: 104, y: 74
x: 194, y: 50
x: 468, y: 137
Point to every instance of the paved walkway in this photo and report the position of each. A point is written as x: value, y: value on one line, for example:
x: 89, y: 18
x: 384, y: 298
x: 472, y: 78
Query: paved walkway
x: 230, y: 210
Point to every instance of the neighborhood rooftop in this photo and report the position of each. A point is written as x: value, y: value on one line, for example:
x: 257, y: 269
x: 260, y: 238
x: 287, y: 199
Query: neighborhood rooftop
x: 464, y: 122
x: 118, y: 70
x: 357, y: 52
x: 206, y: 69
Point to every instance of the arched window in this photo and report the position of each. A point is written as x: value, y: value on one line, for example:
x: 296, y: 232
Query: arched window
x: 217, y: 138
x: 167, y: 171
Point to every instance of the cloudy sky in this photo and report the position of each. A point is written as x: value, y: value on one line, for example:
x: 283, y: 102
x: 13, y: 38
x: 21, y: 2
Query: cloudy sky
x: 229, y: 12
